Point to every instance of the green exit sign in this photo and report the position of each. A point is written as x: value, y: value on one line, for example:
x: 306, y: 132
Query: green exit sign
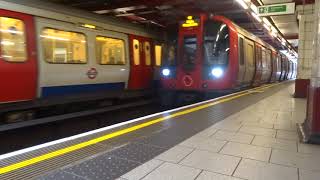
x: 276, y: 9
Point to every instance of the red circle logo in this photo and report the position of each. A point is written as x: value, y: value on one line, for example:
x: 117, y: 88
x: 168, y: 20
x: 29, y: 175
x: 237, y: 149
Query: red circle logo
x: 187, y: 80
x: 92, y: 73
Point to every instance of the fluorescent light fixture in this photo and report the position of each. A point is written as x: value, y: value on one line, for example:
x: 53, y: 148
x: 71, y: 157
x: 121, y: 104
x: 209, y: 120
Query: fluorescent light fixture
x: 7, y: 43
x: 243, y: 4
x: 266, y: 26
x: 126, y: 14
x: 274, y: 34
x: 90, y: 26
x: 218, y: 36
x: 254, y: 8
x: 55, y: 38
x: 11, y: 31
x: 273, y: 29
x: 266, y: 21
x: 222, y: 27
x: 256, y: 16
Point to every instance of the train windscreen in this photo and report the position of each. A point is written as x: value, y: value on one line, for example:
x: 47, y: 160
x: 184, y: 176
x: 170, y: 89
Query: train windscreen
x: 169, y: 53
x: 216, y: 43
x: 189, y: 50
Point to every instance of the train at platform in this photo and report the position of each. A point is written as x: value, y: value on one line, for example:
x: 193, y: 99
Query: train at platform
x: 52, y: 51
x: 212, y: 55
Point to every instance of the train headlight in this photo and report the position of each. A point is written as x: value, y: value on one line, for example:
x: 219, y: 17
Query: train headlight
x: 166, y: 72
x: 217, y: 72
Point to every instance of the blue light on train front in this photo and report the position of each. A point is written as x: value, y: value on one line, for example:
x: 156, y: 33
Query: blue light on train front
x: 166, y: 72
x: 217, y: 72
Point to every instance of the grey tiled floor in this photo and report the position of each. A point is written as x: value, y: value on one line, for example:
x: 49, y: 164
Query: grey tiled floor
x: 257, y: 143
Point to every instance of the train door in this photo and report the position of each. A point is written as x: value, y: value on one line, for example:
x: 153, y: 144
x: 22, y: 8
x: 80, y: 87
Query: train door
x: 18, y: 67
x: 157, y: 64
x: 268, y: 72
x: 274, y: 68
x: 242, y: 67
x: 141, y: 61
x: 258, y: 65
x: 249, y: 61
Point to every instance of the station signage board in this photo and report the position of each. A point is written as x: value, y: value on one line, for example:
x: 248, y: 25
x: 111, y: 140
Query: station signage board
x: 277, y: 9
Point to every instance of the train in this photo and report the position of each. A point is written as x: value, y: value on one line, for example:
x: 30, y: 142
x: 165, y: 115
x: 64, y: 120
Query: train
x: 212, y: 55
x: 48, y: 50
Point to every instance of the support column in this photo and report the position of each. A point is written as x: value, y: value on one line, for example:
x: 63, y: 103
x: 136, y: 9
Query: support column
x: 306, y: 35
x: 311, y: 127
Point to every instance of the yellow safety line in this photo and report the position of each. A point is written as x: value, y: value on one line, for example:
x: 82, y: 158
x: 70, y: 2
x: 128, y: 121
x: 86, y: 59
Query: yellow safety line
x: 72, y: 148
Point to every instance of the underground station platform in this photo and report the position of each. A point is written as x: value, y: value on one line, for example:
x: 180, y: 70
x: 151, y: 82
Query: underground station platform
x: 251, y: 134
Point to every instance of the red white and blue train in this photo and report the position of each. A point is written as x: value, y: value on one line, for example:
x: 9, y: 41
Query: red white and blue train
x: 47, y: 50
x: 214, y: 55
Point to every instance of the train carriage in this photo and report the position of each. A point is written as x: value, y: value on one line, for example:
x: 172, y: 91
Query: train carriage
x: 214, y: 55
x: 49, y: 50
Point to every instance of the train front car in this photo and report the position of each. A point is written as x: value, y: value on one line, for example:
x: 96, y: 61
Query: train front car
x: 206, y: 61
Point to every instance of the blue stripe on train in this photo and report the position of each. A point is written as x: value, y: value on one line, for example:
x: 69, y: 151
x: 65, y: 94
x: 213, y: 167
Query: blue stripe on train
x: 76, y: 89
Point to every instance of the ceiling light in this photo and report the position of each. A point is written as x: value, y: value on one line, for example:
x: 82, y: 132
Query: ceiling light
x: 254, y: 8
x: 256, y: 16
x: 274, y: 29
x: 266, y: 26
x: 243, y: 4
x: 274, y: 34
x: 265, y: 20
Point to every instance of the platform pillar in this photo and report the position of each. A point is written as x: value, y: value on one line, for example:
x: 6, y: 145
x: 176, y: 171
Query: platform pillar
x: 306, y: 14
x: 311, y: 126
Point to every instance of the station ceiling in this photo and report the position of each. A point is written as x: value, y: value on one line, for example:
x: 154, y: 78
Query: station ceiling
x: 167, y: 13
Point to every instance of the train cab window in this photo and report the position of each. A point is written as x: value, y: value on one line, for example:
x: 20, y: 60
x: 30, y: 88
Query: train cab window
x: 158, y: 54
x: 63, y: 47
x: 216, y: 43
x: 189, y: 50
x: 136, y: 52
x: 110, y: 51
x: 13, y: 40
x: 147, y: 53
x: 241, y: 51
x: 169, y: 54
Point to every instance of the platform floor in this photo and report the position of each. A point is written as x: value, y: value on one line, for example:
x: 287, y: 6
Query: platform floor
x: 258, y: 143
x: 251, y: 135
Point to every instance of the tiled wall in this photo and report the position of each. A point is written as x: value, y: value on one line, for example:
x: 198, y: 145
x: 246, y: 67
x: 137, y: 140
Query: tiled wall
x: 306, y: 39
x: 316, y: 58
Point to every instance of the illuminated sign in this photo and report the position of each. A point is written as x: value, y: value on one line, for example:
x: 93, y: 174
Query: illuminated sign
x: 89, y: 26
x: 190, y: 22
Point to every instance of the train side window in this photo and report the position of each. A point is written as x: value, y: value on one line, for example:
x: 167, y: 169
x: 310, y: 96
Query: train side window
x: 250, y: 55
x: 63, y: 47
x: 147, y: 53
x: 110, y: 51
x: 268, y: 59
x: 158, y: 54
x: 241, y: 51
x: 169, y: 54
x: 136, y: 52
x: 13, y: 40
x: 258, y: 56
x: 263, y: 52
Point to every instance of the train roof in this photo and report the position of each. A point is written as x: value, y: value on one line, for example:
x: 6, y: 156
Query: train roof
x: 76, y: 16
x: 253, y: 37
